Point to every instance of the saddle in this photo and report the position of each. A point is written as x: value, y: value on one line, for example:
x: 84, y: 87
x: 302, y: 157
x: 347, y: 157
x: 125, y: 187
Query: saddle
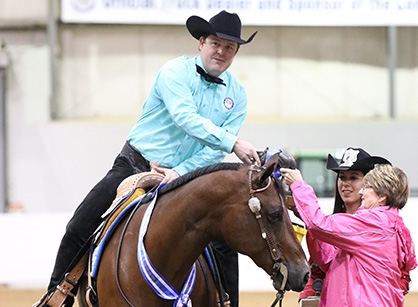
x: 129, y: 189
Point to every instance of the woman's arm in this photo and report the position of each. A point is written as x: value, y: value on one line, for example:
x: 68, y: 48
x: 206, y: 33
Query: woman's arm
x: 345, y: 231
x: 321, y: 253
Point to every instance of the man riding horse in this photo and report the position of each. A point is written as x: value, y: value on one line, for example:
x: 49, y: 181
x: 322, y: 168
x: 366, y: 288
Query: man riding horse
x: 190, y: 119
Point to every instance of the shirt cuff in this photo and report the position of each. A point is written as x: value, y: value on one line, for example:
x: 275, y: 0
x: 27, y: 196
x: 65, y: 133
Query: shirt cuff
x: 229, y: 142
x: 180, y: 169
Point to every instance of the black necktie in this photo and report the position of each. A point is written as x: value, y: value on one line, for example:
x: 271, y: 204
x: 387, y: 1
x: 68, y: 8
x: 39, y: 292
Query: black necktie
x: 208, y: 77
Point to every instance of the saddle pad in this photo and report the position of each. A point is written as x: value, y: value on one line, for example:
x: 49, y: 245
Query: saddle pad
x: 128, y: 190
x: 111, y: 219
x: 125, y: 208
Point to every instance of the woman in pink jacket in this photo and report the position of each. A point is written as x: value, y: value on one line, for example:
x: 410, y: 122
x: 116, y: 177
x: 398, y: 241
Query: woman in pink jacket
x: 370, y: 250
x: 354, y: 164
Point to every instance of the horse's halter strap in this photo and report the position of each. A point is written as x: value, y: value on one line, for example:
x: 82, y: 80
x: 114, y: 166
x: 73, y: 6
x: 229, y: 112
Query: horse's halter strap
x: 255, y: 207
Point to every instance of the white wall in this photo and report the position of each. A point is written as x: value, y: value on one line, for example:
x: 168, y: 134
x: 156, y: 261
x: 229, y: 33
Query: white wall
x: 22, y: 11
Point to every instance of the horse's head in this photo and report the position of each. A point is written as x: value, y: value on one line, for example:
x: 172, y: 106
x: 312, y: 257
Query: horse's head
x: 275, y: 224
x: 272, y: 243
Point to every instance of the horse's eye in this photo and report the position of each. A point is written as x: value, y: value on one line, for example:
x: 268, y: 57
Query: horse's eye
x: 275, y: 216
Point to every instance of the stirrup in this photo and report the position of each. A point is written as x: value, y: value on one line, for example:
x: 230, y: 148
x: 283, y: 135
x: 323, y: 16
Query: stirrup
x: 42, y: 301
x: 226, y: 302
x: 57, y: 297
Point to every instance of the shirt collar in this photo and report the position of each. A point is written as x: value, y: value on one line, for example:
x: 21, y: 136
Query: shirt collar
x: 223, y: 75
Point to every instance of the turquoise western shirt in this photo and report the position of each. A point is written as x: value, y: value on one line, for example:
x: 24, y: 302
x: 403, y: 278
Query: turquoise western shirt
x: 187, y: 122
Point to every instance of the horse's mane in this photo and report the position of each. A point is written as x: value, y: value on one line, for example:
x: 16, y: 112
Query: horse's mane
x: 197, y: 173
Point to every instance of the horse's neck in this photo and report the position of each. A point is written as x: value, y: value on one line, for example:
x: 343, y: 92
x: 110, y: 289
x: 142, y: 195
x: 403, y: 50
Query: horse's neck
x: 182, y: 225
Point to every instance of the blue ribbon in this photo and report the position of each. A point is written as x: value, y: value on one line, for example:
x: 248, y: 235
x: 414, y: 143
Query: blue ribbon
x: 270, y: 152
x: 156, y: 281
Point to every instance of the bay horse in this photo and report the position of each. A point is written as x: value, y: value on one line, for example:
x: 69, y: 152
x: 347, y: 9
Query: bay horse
x: 209, y: 203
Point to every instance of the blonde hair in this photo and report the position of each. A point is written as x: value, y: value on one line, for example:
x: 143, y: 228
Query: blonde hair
x: 392, y: 182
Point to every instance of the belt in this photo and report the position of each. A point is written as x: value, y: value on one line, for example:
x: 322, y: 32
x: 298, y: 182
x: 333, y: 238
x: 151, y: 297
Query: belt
x: 135, y: 158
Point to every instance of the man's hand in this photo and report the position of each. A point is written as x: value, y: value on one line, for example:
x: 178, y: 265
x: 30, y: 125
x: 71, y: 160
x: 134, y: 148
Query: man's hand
x: 246, y: 152
x: 169, y: 174
x: 291, y: 175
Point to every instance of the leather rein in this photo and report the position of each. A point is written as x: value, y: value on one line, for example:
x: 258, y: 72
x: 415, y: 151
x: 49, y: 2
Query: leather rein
x: 255, y: 207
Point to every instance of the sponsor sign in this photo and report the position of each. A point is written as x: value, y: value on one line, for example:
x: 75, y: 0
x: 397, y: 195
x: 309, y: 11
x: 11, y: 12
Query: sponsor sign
x: 252, y: 12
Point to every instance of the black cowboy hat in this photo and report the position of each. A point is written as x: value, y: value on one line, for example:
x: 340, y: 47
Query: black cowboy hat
x: 355, y: 159
x: 223, y: 25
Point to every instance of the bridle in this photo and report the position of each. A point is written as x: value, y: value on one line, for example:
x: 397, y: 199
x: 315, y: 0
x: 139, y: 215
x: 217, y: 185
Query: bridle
x: 255, y: 207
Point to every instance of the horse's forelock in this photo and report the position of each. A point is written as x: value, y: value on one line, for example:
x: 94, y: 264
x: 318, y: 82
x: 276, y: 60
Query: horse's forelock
x: 280, y: 186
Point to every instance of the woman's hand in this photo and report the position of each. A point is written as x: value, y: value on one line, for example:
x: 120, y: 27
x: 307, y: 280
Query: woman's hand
x: 291, y: 175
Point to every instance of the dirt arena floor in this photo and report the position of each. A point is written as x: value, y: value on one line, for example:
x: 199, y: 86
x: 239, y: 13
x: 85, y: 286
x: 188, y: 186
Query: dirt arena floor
x: 25, y: 298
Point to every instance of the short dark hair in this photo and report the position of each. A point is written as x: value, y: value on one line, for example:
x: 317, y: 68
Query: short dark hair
x: 205, y: 36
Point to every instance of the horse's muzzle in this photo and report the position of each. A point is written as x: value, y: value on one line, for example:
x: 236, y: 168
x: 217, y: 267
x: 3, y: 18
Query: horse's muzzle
x: 295, y: 281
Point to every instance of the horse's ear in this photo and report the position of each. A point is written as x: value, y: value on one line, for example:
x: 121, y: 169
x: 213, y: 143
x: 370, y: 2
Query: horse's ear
x: 261, y: 175
x: 263, y: 155
x: 273, y: 164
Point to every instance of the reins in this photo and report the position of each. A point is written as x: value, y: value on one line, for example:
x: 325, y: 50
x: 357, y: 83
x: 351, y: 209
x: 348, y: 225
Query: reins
x: 255, y: 207
x: 120, y: 245
x: 120, y: 248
